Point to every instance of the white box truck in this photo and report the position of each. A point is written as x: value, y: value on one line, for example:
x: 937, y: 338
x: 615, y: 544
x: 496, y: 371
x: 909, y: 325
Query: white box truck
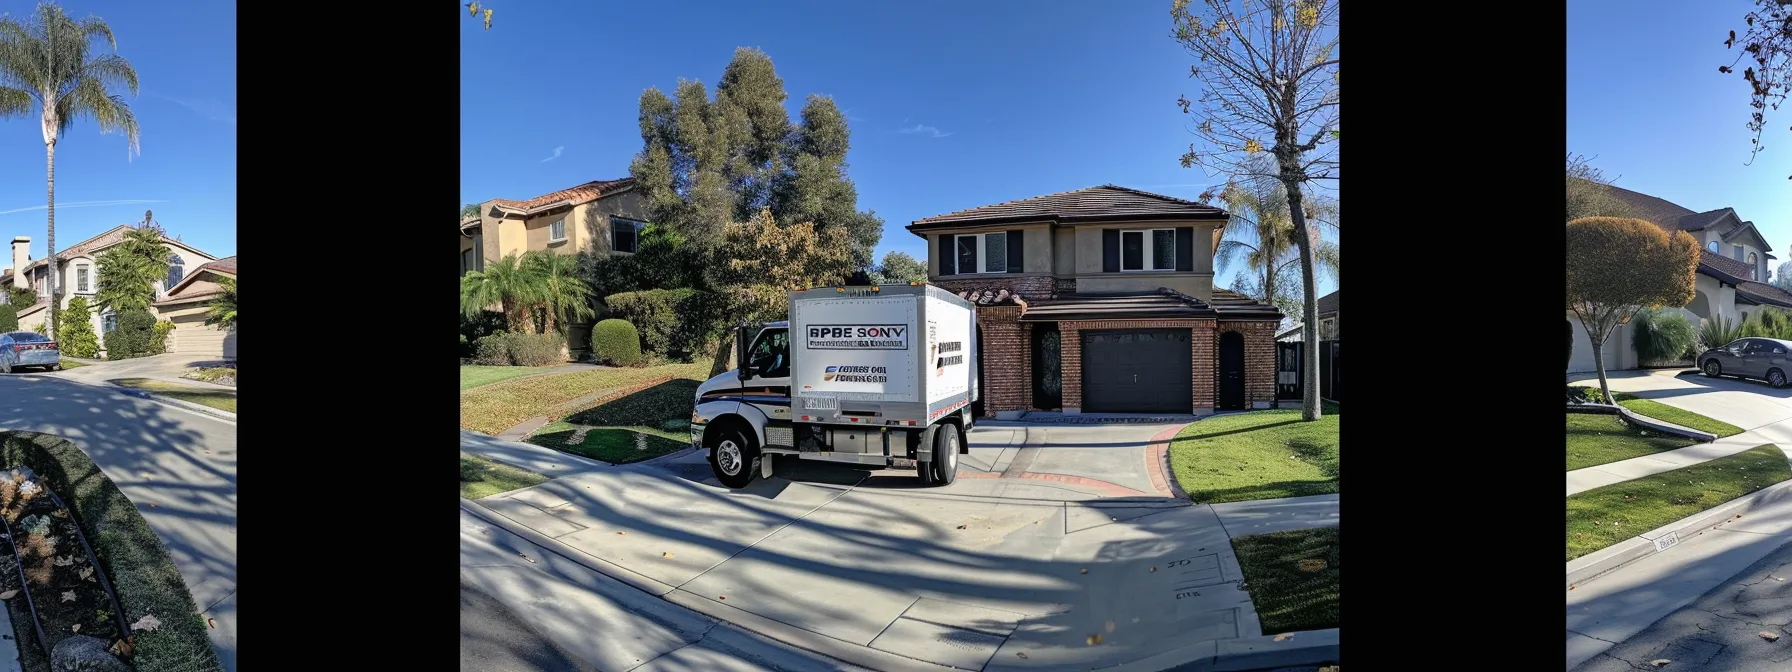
x: 881, y: 377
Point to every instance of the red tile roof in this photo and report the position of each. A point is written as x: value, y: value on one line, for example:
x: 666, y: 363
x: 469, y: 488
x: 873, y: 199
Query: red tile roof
x: 584, y: 193
x: 225, y: 265
x: 1103, y: 203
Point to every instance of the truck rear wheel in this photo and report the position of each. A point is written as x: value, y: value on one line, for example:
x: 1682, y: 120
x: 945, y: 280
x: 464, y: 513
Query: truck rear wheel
x: 924, y: 469
x: 734, y: 458
x: 945, y: 455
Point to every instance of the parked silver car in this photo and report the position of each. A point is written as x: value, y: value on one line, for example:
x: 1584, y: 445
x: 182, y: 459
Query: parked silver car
x: 19, y: 349
x: 1768, y: 359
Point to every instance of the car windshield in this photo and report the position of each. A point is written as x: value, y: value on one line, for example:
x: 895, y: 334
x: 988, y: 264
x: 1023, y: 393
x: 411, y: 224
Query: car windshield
x: 27, y: 337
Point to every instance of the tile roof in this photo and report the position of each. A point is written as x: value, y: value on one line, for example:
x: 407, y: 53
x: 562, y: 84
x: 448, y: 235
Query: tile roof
x: 193, y: 287
x: 1765, y: 293
x: 225, y: 265
x: 1329, y: 303
x: 1103, y: 203
x: 584, y: 193
x: 1232, y: 305
x: 1158, y: 305
x: 993, y: 297
x: 1644, y: 206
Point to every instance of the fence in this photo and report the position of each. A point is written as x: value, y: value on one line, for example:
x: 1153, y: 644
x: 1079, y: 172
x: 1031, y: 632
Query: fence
x: 1288, y: 362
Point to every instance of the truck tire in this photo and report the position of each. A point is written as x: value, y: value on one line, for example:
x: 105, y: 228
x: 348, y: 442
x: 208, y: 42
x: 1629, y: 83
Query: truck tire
x: 945, y: 455
x: 924, y: 469
x: 734, y: 458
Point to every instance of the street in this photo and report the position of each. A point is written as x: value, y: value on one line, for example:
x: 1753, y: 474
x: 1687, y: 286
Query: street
x: 178, y: 466
x: 1720, y: 631
x: 493, y: 640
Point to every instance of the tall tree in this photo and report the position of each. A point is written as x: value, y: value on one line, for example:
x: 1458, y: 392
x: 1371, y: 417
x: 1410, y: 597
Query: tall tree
x: 48, y: 62
x: 707, y: 163
x: 897, y: 268
x: 1767, y: 40
x: 1269, y: 70
x: 1589, y: 192
x: 1619, y: 266
x: 130, y: 270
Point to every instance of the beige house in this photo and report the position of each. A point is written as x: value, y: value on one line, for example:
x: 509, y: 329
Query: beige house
x: 1101, y: 300
x: 78, y: 269
x: 605, y: 216
x: 186, y: 305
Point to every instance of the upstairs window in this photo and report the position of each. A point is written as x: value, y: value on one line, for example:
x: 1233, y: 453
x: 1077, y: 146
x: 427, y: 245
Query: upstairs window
x: 625, y: 234
x: 557, y: 231
x: 1736, y: 252
x: 177, y: 269
x: 1712, y: 247
x: 982, y: 253
x: 81, y: 279
x: 1148, y: 250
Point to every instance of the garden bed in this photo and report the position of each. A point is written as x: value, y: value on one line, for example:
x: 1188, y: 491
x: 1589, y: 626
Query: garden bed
x: 56, y: 573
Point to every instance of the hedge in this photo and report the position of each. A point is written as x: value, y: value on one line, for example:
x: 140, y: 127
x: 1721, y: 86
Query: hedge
x: 674, y: 323
x: 133, y: 557
x: 493, y: 350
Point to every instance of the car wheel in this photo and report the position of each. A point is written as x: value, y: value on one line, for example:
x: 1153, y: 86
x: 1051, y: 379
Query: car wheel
x: 1713, y: 369
x: 734, y: 458
x: 1776, y: 378
x: 945, y: 455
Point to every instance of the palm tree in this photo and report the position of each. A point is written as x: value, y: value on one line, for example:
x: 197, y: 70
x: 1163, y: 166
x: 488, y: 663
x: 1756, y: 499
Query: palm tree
x: 130, y: 270
x: 1261, y: 234
x: 47, y: 62
x: 565, y: 297
x: 506, y: 282
x: 223, y: 309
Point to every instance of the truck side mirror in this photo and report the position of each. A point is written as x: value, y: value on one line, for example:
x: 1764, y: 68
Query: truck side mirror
x: 742, y: 366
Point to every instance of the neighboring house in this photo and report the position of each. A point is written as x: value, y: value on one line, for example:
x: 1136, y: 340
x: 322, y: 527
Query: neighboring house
x: 78, y: 269
x: 1734, y: 266
x: 1101, y: 300
x: 604, y: 216
x: 1328, y: 322
x: 186, y: 305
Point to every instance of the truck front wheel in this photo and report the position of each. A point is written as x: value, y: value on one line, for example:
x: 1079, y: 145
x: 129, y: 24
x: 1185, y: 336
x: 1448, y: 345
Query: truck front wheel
x: 945, y: 455
x: 734, y: 458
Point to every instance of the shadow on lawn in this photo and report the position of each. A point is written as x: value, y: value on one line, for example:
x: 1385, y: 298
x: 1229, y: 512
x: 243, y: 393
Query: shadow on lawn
x: 660, y: 406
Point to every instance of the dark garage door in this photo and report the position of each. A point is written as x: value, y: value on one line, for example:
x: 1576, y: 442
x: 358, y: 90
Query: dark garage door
x: 1138, y: 371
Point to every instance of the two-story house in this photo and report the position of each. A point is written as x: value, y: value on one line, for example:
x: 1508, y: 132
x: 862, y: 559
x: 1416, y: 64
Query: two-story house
x: 77, y: 267
x: 1735, y: 264
x: 604, y: 216
x: 1101, y: 300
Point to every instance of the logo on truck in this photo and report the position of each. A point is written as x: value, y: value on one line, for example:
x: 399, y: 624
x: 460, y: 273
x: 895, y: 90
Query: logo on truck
x: 940, y: 364
x: 856, y: 374
x: 858, y: 337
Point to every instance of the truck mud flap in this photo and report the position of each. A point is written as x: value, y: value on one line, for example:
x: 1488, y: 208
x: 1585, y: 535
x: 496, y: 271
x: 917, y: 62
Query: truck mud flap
x: 924, y: 449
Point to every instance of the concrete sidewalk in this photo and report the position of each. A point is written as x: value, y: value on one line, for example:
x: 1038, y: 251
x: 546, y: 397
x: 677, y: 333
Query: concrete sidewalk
x: 1616, y: 606
x: 1599, y: 476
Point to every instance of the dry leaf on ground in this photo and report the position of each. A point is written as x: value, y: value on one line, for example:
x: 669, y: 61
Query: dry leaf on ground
x: 9, y: 595
x: 68, y: 596
x: 1659, y: 662
x: 149, y: 622
x: 1285, y: 635
x: 1770, y: 636
x: 1094, y: 639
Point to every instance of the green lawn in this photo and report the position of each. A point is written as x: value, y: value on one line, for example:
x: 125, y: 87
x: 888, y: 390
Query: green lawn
x: 474, y: 376
x: 664, y: 410
x: 616, y: 445
x: 223, y: 400
x: 494, y: 408
x: 480, y: 477
x: 71, y: 364
x: 1683, y: 418
x: 1292, y: 577
x: 1257, y: 455
x: 1595, y: 439
x: 1601, y: 517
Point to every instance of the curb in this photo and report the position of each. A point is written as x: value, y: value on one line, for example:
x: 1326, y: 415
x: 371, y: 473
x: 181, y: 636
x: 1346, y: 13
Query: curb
x: 1612, y: 558
x: 1157, y: 462
x: 1643, y: 421
x: 168, y: 401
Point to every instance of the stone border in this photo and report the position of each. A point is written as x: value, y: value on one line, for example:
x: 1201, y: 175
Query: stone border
x: 1157, y: 463
x: 1616, y: 556
x: 1644, y: 421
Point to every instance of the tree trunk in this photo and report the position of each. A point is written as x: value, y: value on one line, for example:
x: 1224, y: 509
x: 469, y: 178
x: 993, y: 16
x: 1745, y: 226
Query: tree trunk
x: 1309, y: 362
x: 1598, y: 342
x: 1269, y: 297
x: 50, y: 260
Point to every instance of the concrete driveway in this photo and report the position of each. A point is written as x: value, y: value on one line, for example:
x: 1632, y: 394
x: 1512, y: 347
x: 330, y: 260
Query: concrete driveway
x: 168, y: 367
x: 1749, y: 404
x: 1056, y: 548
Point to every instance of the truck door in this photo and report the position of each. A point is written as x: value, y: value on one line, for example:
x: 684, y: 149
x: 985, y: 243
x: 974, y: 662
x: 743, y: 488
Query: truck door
x: 768, y: 363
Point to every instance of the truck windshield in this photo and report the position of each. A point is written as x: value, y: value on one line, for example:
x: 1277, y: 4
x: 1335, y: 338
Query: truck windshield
x: 770, y: 356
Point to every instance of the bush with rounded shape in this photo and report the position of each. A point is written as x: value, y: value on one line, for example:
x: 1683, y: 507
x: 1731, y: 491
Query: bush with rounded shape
x: 493, y: 350
x: 616, y: 342
x: 133, y: 337
x: 1662, y: 337
x: 536, y: 349
x: 9, y: 318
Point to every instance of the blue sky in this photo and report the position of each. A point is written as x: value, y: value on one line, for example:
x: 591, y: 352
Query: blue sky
x: 185, y: 57
x: 952, y: 105
x: 1645, y: 98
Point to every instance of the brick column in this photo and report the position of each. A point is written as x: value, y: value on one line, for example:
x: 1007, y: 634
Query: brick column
x: 1070, y: 366
x: 1005, y: 362
x: 1204, y: 342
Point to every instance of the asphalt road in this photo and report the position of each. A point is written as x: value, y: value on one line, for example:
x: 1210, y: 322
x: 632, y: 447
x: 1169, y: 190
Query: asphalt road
x: 178, y: 466
x: 1721, y: 631
x: 492, y: 639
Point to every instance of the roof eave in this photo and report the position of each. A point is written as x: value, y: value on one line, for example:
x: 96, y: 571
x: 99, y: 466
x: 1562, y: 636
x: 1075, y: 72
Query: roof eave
x: 925, y: 225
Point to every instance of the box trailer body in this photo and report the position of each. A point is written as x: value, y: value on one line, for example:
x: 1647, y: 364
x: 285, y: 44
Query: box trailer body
x: 870, y: 376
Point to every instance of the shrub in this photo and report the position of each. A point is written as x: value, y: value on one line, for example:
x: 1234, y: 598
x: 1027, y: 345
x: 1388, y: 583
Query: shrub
x: 74, y: 330
x: 535, y: 349
x: 128, y: 550
x: 20, y: 298
x: 1718, y: 332
x: 486, y: 323
x: 9, y: 318
x: 158, y: 340
x: 676, y: 324
x: 493, y: 350
x: 133, y: 337
x: 616, y: 342
x: 1663, y: 336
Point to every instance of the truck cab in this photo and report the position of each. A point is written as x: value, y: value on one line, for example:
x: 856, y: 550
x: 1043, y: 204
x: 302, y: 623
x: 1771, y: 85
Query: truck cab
x: 847, y: 379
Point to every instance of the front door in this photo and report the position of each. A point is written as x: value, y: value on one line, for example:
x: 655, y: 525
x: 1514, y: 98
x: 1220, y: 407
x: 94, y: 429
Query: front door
x: 1048, y: 391
x: 1231, y: 371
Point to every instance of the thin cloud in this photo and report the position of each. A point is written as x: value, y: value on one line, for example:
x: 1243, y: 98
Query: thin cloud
x: 557, y: 151
x: 82, y: 204
x: 922, y: 129
x: 209, y: 108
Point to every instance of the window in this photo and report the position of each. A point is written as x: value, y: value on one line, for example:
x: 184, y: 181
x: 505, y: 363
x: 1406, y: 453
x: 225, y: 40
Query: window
x: 625, y: 234
x: 108, y: 322
x: 1779, y: 349
x: 1712, y: 247
x: 177, y: 269
x: 557, y: 231
x: 1736, y: 252
x: 1148, y: 250
x: 770, y: 356
x: 982, y: 253
x: 81, y: 279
